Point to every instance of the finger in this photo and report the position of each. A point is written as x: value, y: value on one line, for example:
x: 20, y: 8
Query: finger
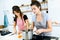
x: 37, y: 32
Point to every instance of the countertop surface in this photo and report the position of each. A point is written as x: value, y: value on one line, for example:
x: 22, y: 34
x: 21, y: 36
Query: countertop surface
x: 55, y: 33
x: 10, y: 37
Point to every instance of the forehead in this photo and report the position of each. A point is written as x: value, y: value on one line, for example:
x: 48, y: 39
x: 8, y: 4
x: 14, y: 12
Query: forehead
x: 34, y: 6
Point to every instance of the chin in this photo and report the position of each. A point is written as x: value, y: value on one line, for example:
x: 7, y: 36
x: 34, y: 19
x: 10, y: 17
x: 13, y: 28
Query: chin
x: 34, y: 13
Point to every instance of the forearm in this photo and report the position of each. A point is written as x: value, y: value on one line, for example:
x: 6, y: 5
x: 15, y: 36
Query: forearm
x: 14, y: 29
x: 27, y: 25
x: 32, y: 25
x: 47, y: 30
x: 49, y: 27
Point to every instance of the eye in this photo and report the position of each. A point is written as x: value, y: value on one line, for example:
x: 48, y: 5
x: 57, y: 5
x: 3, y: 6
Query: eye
x: 33, y: 8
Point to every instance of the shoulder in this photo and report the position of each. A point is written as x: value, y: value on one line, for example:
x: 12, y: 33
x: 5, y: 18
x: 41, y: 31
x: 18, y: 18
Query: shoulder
x: 46, y: 16
x: 25, y: 17
x: 15, y: 19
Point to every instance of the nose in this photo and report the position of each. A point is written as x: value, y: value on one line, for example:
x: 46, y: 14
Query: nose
x: 33, y: 11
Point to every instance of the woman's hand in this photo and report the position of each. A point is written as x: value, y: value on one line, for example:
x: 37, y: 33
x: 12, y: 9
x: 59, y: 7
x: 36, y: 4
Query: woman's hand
x: 39, y: 31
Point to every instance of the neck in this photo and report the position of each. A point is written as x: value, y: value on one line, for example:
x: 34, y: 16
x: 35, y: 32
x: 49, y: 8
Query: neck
x: 39, y: 13
x: 19, y: 17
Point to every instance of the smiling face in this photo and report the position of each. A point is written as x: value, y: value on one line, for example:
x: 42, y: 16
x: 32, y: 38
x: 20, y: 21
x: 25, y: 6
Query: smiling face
x: 35, y: 9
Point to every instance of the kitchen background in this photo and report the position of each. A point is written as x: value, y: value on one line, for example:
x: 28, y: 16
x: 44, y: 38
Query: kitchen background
x: 6, y: 15
x: 51, y: 7
x: 6, y: 8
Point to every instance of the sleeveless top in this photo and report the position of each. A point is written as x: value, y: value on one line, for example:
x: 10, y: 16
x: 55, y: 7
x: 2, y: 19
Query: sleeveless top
x: 20, y: 24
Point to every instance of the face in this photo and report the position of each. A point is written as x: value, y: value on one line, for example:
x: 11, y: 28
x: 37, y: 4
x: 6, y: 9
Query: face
x: 17, y: 14
x: 35, y: 9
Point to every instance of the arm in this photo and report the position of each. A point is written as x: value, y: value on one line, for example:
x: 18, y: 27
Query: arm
x: 26, y: 21
x: 32, y: 25
x: 26, y: 24
x: 14, y: 28
x: 49, y: 28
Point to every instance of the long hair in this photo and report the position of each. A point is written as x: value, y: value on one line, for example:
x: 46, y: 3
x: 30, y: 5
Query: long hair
x: 17, y: 9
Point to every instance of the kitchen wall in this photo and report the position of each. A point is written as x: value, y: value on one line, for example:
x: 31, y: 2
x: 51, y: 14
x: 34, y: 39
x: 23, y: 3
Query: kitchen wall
x: 1, y: 18
x: 54, y: 10
x: 6, y: 8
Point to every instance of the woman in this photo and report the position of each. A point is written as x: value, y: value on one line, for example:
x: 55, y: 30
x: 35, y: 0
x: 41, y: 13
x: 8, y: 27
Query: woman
x: 20, y: 20
x: 41, y: 21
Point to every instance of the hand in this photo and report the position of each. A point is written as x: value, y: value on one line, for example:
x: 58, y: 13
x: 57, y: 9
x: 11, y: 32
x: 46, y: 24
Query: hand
x: 39, y: 31
x: 19, y: 32
x: 14, y: 32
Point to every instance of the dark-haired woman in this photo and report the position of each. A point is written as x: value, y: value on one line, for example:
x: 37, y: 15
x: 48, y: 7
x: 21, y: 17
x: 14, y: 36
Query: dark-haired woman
x: 20, y: 20
x: 41, y: 21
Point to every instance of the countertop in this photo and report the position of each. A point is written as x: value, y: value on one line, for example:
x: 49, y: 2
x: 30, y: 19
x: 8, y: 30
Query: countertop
x: 55, y: 33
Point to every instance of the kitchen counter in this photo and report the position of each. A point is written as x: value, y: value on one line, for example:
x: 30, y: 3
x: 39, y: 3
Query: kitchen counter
x: 54, y: 34
x: 14, y: 37
x: 10, y: 37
